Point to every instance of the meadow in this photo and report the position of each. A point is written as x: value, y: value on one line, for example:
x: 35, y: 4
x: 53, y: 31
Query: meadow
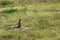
x: 42, y: 16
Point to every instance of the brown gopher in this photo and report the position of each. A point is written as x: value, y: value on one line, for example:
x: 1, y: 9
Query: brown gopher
x: 19, y: 24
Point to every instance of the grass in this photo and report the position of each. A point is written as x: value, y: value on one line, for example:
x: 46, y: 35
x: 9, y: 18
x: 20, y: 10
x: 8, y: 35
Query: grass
x: 9, y: 11
x: 43, y: 18
x: 6, y: 2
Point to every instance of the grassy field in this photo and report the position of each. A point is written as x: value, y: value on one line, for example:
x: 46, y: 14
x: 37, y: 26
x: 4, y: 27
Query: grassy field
x: 42, y: 17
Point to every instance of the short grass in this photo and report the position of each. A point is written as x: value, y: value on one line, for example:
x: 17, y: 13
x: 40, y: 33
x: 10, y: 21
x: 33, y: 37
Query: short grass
x: 43, y: 18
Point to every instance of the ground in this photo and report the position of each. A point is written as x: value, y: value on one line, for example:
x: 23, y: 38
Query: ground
x: 41, y: 17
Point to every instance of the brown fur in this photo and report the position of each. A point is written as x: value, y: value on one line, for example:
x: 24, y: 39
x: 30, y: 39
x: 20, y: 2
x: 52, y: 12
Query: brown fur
x: 19, y: 24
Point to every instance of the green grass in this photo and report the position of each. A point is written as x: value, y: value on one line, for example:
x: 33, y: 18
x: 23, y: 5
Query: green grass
x: 9, y: 11
x: 6, y: 2
x: 43, y: 18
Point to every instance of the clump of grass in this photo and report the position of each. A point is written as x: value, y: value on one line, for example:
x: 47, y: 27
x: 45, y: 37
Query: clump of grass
x: 7, y: 36
x: 38, y: 35
x: 57, y: 16
x: 10, y: 35
x: 6, y: 2
x: 9, y: 11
